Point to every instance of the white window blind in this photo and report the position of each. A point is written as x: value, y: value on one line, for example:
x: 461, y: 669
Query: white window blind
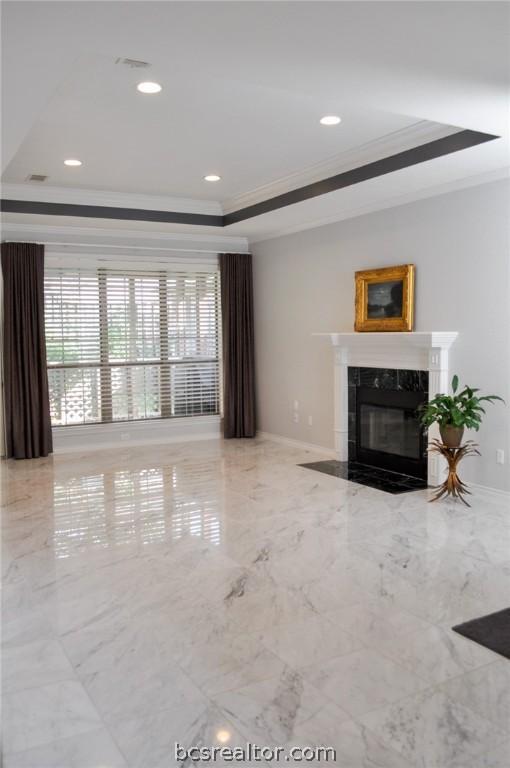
x: 125, y: 346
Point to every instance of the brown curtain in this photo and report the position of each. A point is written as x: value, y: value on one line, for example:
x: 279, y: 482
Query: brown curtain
x: 238, y: 345
x: 27, y: 409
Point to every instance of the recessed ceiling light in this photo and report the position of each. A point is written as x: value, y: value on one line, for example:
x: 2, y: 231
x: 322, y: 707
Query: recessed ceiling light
x: 212, y: 177
x: 73, y: 162
x: 330, y: 120
x: 149, y: 87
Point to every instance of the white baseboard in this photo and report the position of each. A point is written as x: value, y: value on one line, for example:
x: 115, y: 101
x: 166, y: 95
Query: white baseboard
x: 93, y: 437
x: 330, y: 452
x: 486, y: 489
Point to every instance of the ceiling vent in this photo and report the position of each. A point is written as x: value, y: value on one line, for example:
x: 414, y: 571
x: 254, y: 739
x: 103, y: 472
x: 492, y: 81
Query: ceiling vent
x: 133, y: 63
x: 36, y: 177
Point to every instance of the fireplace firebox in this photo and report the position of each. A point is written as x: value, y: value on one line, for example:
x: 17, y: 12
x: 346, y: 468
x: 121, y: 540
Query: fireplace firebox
x: 384, y: 426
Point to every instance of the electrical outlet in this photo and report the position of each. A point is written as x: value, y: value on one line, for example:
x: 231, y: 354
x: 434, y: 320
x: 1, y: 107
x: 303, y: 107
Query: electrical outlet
x: 295, y: 417
x: 500, y: 456
x: 296, y: 405
x: 310, y: 421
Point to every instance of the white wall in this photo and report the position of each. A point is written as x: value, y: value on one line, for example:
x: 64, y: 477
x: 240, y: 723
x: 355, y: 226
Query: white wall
x: 304, y: 283
x: 124, y: 434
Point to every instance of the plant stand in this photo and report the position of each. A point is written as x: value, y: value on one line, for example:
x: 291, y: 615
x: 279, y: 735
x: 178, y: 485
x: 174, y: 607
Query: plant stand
x: 453, y: 485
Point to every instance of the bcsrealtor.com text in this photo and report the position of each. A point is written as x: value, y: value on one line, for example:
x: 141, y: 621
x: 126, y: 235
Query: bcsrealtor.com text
x: 254, y: 752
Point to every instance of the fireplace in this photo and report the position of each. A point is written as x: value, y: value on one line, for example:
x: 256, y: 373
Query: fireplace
x: 402, y: 362
x: 384, y: 428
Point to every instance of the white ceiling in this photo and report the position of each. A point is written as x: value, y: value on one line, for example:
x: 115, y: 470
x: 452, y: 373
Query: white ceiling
x: 165, y: 144
x: 243, y: 87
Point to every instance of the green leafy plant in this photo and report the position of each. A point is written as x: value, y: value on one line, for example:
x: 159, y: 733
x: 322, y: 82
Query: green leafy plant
x: 456, y: 410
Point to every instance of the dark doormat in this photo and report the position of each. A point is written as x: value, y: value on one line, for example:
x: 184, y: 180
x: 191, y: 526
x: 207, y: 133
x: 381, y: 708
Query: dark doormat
x: 492, y: 631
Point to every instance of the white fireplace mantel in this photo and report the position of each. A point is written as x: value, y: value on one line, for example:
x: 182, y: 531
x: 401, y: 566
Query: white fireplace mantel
x: 421, y: 350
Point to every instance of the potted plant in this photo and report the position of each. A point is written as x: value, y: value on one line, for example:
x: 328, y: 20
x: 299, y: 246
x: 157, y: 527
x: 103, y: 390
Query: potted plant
x: 455, y: 412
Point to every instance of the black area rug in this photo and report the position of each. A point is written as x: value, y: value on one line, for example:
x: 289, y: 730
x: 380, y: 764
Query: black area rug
x: 492, y: 631
x: 382, y: 479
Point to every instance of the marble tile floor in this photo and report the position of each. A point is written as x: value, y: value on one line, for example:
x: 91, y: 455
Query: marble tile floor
x: 216, y: 593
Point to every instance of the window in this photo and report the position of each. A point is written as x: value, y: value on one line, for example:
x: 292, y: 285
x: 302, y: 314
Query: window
x: 125, y: 346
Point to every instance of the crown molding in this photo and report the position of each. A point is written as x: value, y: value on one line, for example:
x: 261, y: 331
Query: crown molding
x: 96, y: 197
x: 418, y: 133
x: 355, y: 168
x: 405, y: 138
x: 73, y: 238
x: 391, y: 202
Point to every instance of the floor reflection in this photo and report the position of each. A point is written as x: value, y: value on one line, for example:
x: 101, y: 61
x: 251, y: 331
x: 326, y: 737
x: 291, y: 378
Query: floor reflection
x: 146, y: 506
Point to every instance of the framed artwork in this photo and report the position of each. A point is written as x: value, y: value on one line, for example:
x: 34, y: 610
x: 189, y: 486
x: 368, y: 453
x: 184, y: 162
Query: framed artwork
x: 385, y: 299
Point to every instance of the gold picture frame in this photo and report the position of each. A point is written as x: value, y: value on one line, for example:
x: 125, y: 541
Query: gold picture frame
x: 385, y: 299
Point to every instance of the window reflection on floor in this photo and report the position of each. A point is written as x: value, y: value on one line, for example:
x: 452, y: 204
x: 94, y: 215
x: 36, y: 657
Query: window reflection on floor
x: 146, y: 506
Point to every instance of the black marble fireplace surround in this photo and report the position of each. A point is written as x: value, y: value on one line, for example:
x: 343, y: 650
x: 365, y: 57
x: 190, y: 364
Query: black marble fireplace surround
x: 387, y: 446
x: 388, y: 398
